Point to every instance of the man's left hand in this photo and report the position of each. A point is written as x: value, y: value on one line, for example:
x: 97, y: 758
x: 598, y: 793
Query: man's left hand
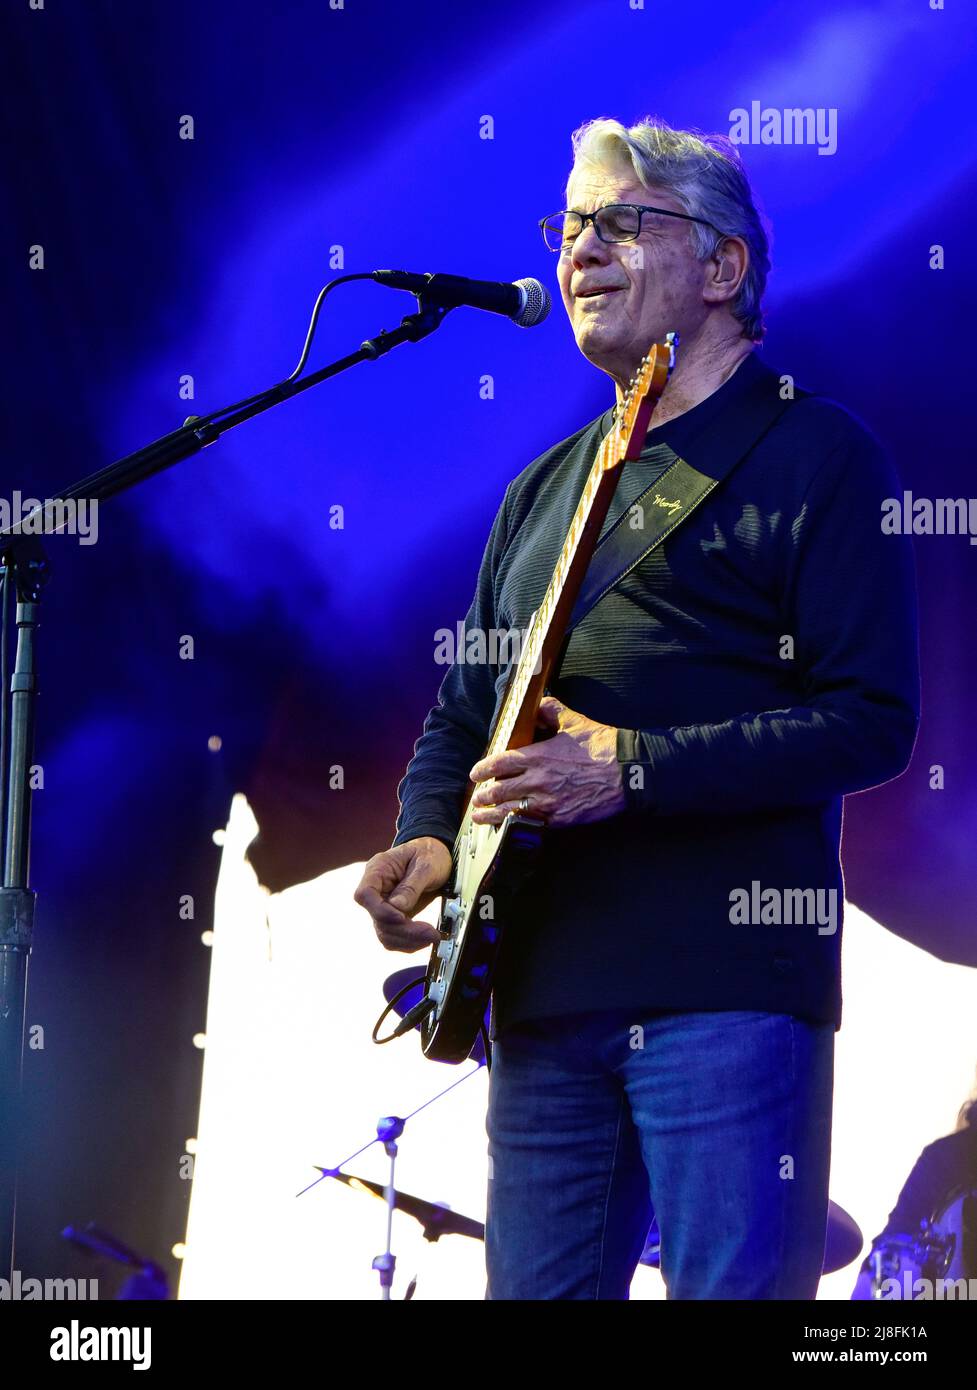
x: 570, y: 779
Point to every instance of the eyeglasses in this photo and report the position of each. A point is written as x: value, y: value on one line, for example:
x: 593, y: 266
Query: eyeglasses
x: 614, y: 223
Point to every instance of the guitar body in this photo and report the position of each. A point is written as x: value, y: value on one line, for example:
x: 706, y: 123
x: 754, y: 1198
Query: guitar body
x: 490, y: 863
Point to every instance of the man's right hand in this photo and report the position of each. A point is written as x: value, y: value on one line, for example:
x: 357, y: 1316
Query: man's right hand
x: 399, y: 882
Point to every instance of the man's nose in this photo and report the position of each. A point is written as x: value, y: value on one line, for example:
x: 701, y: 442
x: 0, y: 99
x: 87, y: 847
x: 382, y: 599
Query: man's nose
x: 588, y: 249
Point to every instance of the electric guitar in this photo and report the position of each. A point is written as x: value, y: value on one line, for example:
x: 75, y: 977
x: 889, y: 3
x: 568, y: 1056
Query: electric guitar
x: 490, y: 862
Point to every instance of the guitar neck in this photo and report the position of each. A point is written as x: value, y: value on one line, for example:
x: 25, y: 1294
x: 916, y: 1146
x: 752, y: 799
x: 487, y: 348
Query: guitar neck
x: 517, y: 722
x: 516, y: 725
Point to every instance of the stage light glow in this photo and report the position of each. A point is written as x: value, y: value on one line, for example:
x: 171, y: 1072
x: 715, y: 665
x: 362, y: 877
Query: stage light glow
x: 291, y: 1080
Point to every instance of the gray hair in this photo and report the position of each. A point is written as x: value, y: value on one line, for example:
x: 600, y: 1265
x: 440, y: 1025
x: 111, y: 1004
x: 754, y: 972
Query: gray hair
x: 705, y: 174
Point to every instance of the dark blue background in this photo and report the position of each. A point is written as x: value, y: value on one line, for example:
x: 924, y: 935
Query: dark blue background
x: 359, y: 128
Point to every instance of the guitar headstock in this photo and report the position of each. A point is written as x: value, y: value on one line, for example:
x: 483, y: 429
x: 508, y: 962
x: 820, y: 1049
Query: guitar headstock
x: 644, y: 390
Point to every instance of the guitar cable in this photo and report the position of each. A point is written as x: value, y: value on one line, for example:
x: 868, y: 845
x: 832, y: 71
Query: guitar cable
x: 415, y: 1016
x: 410, y: 1019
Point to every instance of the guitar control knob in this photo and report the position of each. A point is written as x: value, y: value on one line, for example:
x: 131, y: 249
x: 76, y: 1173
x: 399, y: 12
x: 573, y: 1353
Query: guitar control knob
x: 435, y: 992
x: 452, y: 909
x: 445, y: 948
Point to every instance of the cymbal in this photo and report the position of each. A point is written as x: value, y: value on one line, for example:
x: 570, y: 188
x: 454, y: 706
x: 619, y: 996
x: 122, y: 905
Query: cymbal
x: 436, y: 1220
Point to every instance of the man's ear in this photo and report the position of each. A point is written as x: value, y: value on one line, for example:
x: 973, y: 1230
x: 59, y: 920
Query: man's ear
x: 727, y: 268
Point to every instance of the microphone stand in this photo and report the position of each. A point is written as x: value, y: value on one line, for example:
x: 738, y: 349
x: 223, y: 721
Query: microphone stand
x: 24, y: 567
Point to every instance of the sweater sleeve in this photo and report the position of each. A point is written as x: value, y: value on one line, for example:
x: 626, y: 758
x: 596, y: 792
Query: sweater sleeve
x: 456, y: 729
x: 944, y: 1167
x: 850, y: 607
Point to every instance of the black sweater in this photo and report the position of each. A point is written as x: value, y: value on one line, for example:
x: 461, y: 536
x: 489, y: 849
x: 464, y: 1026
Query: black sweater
x: 760, y: 664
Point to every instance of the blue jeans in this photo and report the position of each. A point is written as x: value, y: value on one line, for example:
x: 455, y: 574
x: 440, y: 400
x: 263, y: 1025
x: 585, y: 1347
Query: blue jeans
x: 718, y: 1125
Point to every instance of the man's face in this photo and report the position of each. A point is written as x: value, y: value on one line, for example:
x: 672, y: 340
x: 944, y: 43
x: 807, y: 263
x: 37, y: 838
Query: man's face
x: 651, y: 285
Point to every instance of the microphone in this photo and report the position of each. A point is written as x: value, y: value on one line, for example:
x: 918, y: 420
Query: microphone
x: 526, y: 302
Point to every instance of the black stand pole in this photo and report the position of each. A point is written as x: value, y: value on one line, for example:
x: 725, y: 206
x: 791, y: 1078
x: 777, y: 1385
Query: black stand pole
x: 24, y: 564
x: 25, y: 571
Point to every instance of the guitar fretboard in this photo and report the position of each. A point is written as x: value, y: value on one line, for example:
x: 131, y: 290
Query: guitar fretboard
x: 610, y: 457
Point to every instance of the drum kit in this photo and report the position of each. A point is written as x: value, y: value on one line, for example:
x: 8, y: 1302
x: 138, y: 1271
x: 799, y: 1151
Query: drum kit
x: 939, y: 1261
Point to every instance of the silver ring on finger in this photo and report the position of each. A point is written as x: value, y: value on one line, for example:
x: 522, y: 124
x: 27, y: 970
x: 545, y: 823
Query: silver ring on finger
x: 524, y: 804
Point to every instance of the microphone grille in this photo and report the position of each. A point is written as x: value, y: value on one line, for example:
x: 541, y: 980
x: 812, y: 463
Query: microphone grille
x: 536, y: 303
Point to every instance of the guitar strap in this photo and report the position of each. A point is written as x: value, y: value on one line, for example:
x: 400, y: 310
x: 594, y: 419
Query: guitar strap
x: 676, y: 492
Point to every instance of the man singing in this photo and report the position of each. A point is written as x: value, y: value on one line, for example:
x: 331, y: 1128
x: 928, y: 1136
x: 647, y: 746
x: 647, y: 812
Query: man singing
x: 668, y: 993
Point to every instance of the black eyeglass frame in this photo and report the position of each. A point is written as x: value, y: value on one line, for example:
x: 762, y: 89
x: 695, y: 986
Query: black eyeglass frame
x: 639, y: 208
